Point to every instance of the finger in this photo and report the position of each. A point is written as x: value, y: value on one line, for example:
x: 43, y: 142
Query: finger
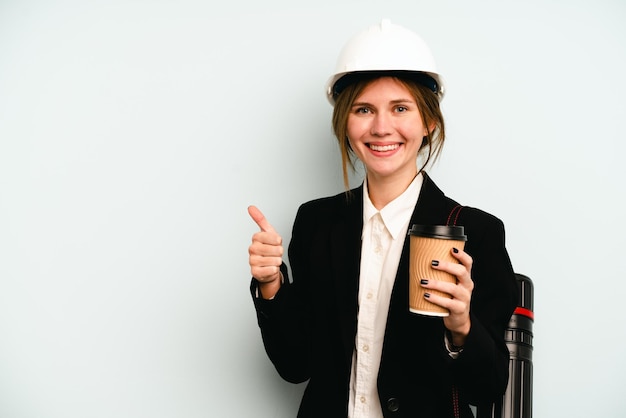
x: 451, y: 290
x: 263, y: 261
x: 466, y: 261
x: 268, y: 238
x: 264, y: 264
x: 266, y: 249
x: 463, y: 257
x: 258, y: 217
x: 455, y: 269
x: 459, y: 310
x: 443, y: 301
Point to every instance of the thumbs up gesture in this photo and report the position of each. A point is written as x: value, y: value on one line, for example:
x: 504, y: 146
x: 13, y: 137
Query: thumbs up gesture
x: 266, y: 255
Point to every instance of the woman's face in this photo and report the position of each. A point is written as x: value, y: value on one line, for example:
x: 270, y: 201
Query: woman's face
x: 385, y: 130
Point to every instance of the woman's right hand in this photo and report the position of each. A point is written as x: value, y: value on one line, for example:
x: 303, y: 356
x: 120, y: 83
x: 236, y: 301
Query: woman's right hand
x: 266, y: 255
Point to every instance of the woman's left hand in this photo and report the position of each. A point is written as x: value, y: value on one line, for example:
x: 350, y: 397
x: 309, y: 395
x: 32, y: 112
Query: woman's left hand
x: 458, y: 322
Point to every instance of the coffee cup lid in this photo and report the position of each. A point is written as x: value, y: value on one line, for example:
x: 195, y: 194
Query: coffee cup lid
x: 453, y: 232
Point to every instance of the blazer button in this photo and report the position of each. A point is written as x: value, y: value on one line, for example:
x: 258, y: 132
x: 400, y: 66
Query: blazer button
x: 393, y: 404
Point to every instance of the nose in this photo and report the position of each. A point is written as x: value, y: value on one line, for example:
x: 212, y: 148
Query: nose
x: 381, y: 124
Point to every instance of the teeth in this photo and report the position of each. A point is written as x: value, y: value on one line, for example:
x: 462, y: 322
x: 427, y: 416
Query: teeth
x: 384, y: 147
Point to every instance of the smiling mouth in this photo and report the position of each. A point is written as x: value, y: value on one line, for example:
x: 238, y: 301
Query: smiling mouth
x: 383, y: 148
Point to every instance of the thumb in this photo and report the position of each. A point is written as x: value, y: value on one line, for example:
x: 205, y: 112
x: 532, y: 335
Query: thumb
x: 258, y: 217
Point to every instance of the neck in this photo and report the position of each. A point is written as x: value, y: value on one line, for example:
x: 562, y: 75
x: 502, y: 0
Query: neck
x: 383, y: 190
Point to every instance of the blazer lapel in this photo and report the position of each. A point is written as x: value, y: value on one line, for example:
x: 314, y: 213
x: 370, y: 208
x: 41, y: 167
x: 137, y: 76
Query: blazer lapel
x: 432, y: 206
x: 346, y: 262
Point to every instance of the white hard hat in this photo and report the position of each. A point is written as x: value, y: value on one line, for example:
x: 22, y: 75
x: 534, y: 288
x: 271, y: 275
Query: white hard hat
x: 386, y: 47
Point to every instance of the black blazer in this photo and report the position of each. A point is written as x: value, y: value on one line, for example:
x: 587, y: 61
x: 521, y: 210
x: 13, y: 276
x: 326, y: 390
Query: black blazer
x: 309, y: 328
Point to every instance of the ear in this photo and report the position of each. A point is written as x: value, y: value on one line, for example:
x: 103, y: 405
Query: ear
x: 431, y: 128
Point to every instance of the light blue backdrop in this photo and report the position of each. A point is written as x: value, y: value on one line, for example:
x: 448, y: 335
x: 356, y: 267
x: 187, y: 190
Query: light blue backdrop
x: 134, y: 134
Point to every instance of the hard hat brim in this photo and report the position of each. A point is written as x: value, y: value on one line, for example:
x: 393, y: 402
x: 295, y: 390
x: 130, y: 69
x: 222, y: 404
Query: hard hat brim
x: 345, y: 80
x: 339, y: 82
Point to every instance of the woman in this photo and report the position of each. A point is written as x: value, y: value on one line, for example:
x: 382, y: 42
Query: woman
x: 343, y: 321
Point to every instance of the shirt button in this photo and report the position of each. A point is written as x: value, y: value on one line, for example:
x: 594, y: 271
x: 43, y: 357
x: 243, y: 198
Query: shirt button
x: 366, y: 348
x: 370, y: 295
x: 377, y: 250
x: 362, y: 399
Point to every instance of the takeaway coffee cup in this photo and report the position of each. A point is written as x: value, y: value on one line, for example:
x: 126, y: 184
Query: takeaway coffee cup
x: 428, y: 243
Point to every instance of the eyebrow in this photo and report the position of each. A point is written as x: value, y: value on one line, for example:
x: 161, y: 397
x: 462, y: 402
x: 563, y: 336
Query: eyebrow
x: 395, y: 101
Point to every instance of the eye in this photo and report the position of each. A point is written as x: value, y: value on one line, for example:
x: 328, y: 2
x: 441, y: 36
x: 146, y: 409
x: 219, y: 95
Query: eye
x: 401, y: 109
x: 362, y: 110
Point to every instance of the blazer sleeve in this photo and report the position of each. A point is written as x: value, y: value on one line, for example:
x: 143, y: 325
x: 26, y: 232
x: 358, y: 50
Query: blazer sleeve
x: 285, y: 321
x: 481, y: 372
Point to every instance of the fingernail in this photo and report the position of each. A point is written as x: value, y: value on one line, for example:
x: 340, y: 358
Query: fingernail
x: 426, y: 295
x: 423, y: 281
x: 455, y: 250
x: 434, y: 263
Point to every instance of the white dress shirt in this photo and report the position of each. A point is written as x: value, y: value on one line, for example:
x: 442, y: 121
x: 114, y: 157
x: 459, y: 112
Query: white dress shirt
x: 383, y: 237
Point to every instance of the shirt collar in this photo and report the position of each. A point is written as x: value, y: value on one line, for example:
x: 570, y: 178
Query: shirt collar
x: 397, y: 213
